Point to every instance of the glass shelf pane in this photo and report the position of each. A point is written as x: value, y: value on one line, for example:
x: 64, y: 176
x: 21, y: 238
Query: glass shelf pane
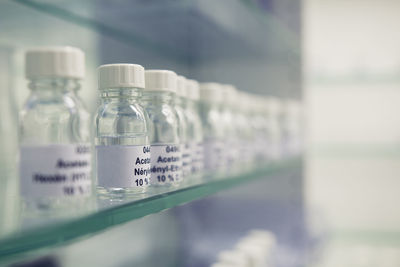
x: 38, y: 231
x: 223, y: 29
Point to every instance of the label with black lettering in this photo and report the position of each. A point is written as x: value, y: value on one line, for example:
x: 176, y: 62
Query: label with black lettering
x: 166, y: 164
x: 58, y: 170
x: 123, y: 166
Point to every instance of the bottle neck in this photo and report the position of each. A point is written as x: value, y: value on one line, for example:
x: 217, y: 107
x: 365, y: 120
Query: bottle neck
x: 158, y: 97
x: 131, y: 94
x: 48, y: 86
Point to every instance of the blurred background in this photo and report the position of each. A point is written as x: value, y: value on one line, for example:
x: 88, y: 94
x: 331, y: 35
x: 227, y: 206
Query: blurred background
x: 341, y: 58
x: 352, y: 78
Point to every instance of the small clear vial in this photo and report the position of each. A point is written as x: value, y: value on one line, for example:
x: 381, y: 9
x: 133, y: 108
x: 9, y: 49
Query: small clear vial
x: 183, y: 129
x: 195, y: 129
x: 231, y: 141
x: 272, y: 113
x: 55, y: 154
x: 291, y: 128
x: 158, y: 100
x: 122, y: 132
x: 245, y: 132
x: 211, y: 96
x: 259, y: 125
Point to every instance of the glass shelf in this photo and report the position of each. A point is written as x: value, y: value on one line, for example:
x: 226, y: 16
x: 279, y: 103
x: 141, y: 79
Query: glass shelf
x: 39, y: 231
x: 164, y: 27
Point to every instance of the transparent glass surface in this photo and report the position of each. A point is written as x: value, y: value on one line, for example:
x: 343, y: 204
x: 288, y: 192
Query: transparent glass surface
x: 121, y: 121
x: 163, y: 131
x: 52, y: 115
x: 253, y: 33
x: 49, y: 230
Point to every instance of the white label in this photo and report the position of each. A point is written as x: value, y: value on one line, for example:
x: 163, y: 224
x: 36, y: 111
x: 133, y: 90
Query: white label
x: 166, y: 164
x: 123, y: 166
x: 186, y: 160
x: 213, y: 154
x: 55, y: 170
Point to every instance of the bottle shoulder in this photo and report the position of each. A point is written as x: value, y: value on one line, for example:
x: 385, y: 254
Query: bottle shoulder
x: 163, y: 114
x: 53, y: 119
x: 111, y: 109
x: 50, y: 108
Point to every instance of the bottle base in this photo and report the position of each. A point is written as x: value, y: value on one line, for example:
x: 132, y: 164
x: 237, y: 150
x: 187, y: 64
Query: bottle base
x: 121, y: 192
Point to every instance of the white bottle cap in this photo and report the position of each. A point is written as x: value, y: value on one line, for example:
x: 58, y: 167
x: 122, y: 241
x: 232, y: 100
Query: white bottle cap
x: 211, y: 92
x: 221, y: 264
x: 193, y: 90
x: 121, y: 76
x: 257, y: 254
x: 160, y: 81
x: 181, y: 86
x: 57, y: 61
x: 234, y: 258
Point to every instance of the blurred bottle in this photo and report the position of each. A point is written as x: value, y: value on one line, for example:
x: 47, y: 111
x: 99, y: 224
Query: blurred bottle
x: 231, y: 140
x: 213, y: 128
x: 272, y: 113
x: 195, y: 129
x: 158, y: 100
x: 8, y: 144
x: 122, y: 132
x: 55, y: 155
x: 292, y: 142
x: 245, y: 132
x: 183, y: 122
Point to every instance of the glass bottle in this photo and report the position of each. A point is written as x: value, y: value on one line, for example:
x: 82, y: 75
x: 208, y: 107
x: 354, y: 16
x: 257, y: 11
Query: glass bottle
x: 183, y: 129
x: 213, y: 128
x: 259, y: 123
x: 245, y: 132
x: 195, y: 129
x: 55, y: 154
x: 291, y: 128
x: 122, y: 132
x: 231, y: 140
x: 272, y: 112
x: 158, y: 100
x: 9, y: 197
